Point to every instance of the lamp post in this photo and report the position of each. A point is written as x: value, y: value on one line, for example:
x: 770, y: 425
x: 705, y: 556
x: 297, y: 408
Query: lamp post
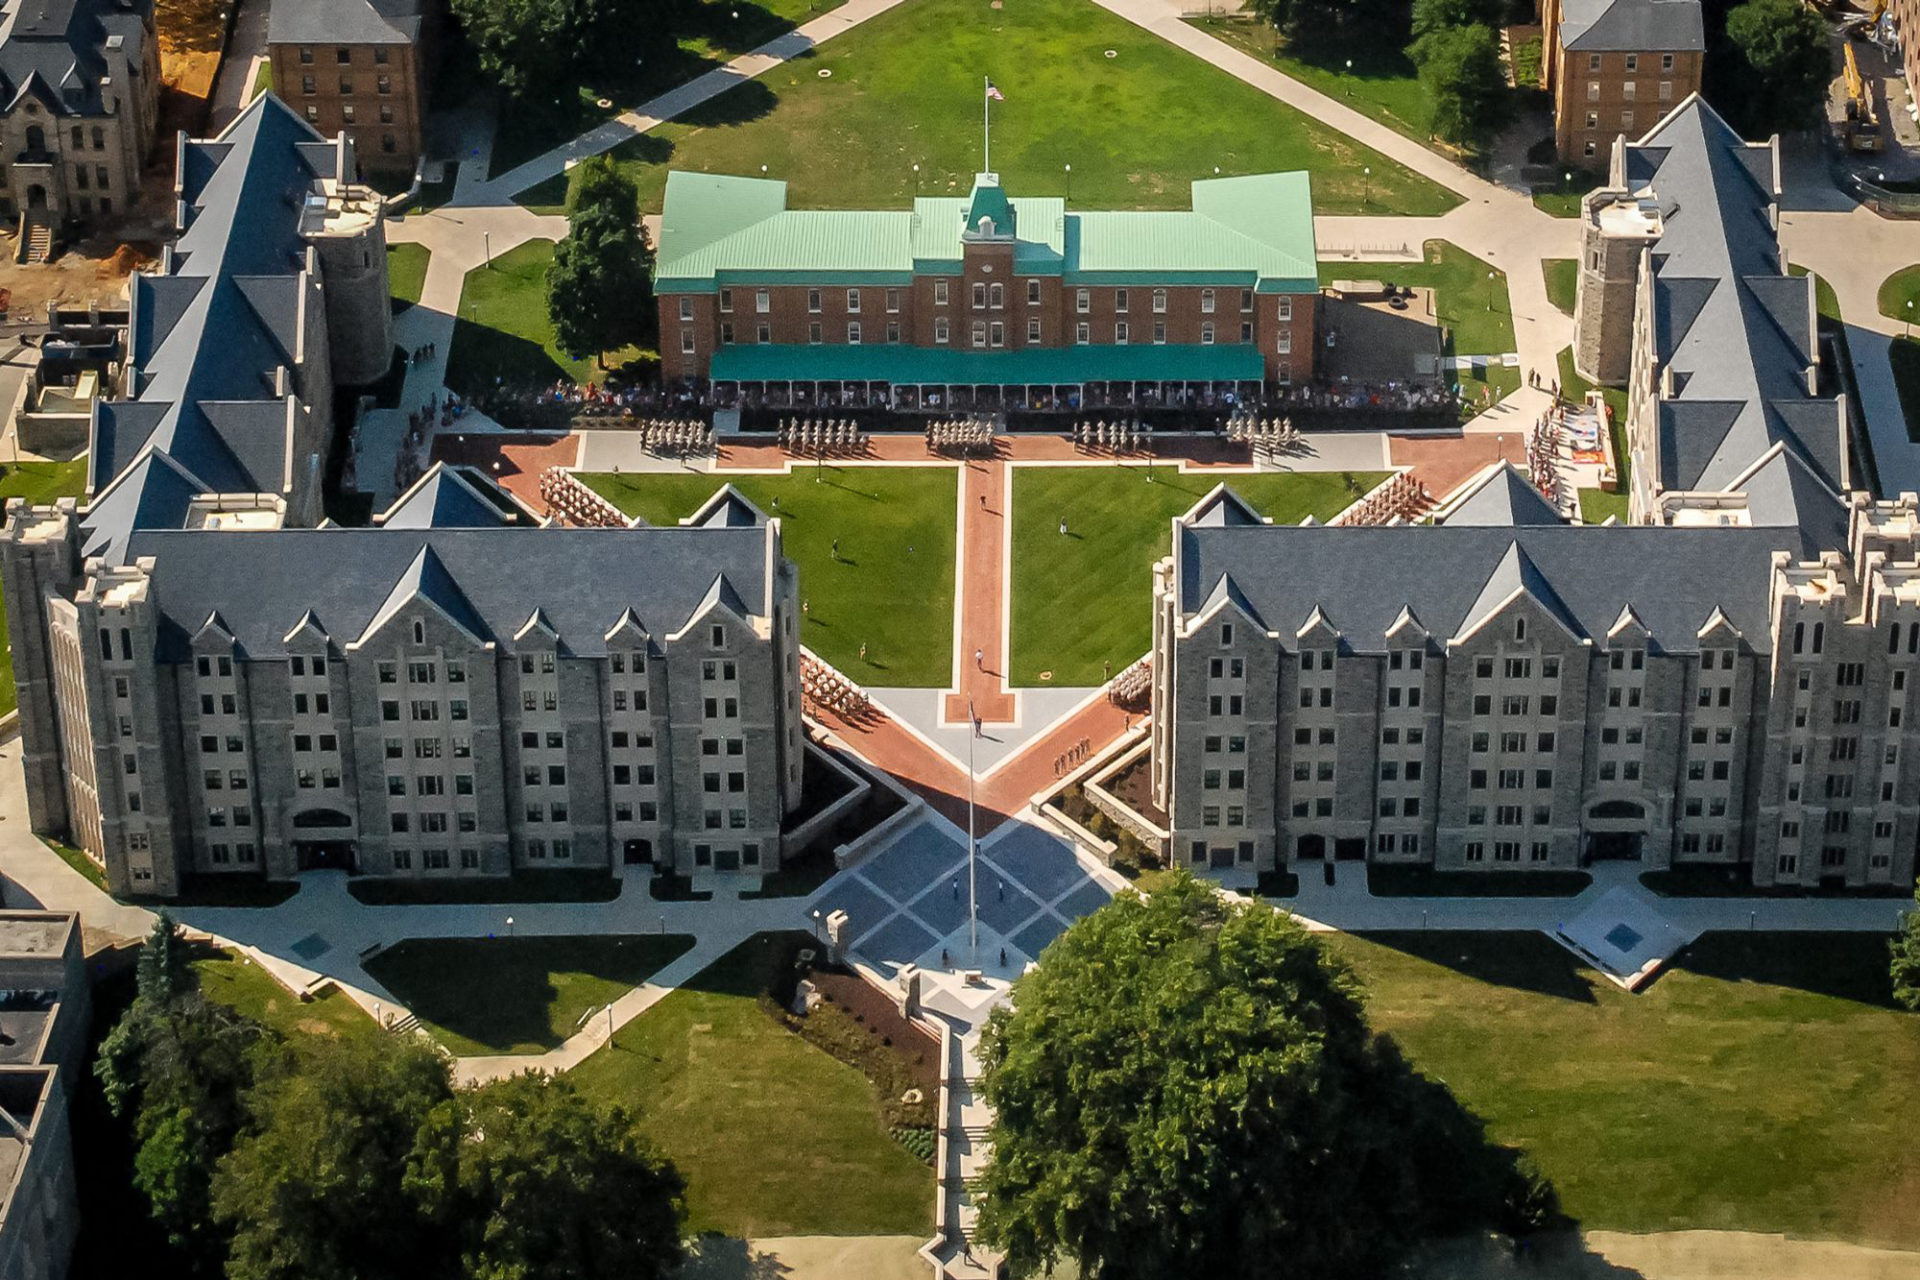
x: 1069, y: 172
x: 486, y: 241
x: 509, y: 926
x: 1366, y: 184
x: 1489, y: 290
x: 816, y: 924
x: 1909, y: 329
x: 916, y: 182
x: 1349, y: 77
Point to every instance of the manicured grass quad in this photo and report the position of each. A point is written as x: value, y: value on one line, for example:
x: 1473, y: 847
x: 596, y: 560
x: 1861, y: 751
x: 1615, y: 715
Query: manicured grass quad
x: 1085, y: 599
x: 774, y: 1136
x: 1476, y: 311
x: 1563, y: 281
x: 502, y: 331
x: 244, y: 986
x: 1751, y: 1087
x: 845, y: 126
x: 1900, y: 294
x: 890, y: 587
x: 516, y: 995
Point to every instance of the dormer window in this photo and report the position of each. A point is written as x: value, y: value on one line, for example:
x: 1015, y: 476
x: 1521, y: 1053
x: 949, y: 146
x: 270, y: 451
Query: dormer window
x: 986, y: 226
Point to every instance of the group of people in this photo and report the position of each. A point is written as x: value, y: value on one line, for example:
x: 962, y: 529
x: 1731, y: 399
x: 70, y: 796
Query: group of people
x: 1394, y: 396
x: 422, y: 352
x: 1246, y: 427
x: 816, y: 437
x: 1130, y: 436
x: 1543, y: 458
x: 825, y: 688
x: 1401, y: 498
x: 677, y: 437
x: 573, y: 502
x: 971, y: 436
x: 1072, y: 758
x: 1131, y: 686
x: 436, y: 412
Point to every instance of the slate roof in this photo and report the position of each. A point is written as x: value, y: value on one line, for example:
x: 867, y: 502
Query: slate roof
x: 1253, y: 232
x: 1363, y: 577
x: 343, y: 22
x: 1502, y: 496
x: 207, y: 337
x: 262, y: 583
x: 1632, y: 26
x: 50, y: 50
x: 1737, y: 332
x: 446, y: 498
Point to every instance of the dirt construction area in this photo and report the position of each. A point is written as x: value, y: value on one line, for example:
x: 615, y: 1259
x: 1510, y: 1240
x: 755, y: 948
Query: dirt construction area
x: 193, y: 34
x: 94, y: 270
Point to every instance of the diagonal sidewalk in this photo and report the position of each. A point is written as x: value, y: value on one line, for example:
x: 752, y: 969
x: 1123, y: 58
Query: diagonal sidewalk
x: 675, y: 102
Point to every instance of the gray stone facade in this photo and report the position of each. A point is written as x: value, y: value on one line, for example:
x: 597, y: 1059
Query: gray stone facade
x: 1536, y: 697
x: 43, y: 976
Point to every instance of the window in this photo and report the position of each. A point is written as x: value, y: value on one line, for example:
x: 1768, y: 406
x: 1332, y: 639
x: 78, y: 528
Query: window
x: 1284, y: 345
x: 1633, y: 62
x: 979, y: 297
x: 1206, y: 301
x: 1159, y: 302
x: 1120, y: 333
x: 893, y: 302
x: 1666, y: 91
x: 1285, y: 308
x: 979, y: 333
x: 998, y: 334
x: 1206, y: 334
x: 1119, y: 299
x: 1160, y: 331
x: 1593, y: 62
x: 997, y: 296
x: 939, y: 293
x: 815, y: 334
x: 1083, y: 333
x: 1033, y: 293
x: 726, y: 301
x: 853, y: 301
x: 940, y: 329
x: 1666, y: 62
x: 1082, y: 301
x: 313, y: 114
x: 1627, y: 90
x: 853, y: 333
x: 813, y: 302
x: 1033, y: 332
x: 306, y: 55
x: 1593, y: 91
x: 383, y: 84
x: 686, y: 308
x: 762, y: 302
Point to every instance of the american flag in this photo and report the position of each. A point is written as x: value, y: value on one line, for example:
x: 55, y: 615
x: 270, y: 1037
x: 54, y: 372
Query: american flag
x: 993, y: 91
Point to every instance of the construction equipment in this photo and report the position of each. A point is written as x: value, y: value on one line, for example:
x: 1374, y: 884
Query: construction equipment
x: 1862, y: 127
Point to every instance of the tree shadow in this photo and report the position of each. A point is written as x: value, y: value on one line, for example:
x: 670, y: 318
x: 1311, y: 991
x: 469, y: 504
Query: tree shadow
x: 482, y: 357
x: 716, y: 1257
x: 747, y: 101
x: 1840, y: 966
x: 1559, y: 1255
x: 1522, y: 961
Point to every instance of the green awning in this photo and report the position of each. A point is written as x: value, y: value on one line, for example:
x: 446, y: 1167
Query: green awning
x: 902, y: 365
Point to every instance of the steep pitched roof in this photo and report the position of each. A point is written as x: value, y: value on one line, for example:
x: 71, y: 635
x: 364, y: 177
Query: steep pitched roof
x: 1515, y: 575
x: 443, y: 498
x: 343, y: 22
x: 153, y: 493
x: 51, y: 50
x: 1632, y: 26
x: 426, y: 578
x: 1500, y: 497
x: 1734, y: 331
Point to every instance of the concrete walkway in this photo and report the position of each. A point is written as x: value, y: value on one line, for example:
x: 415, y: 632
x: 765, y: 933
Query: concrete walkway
x: 675, y: 102
x: 246, y: 50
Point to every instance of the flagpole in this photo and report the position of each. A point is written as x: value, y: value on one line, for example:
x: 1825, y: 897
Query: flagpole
x: 973, y: 895
x: 986, y: 124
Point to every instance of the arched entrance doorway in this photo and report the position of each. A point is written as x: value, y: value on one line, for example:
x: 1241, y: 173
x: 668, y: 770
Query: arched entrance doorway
x: 36, y: 196
x: 1310, y: 848
x: 1615, y: 831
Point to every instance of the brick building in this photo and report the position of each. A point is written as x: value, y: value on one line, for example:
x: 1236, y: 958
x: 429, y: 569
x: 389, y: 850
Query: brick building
x: 986, y: 290
x: 357, y: 67
x: 1613, y: 67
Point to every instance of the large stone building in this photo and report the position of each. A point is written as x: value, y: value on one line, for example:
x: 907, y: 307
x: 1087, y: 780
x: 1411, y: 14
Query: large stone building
x: 209, y: 685
x: 1723, y: 680
x: 359, y: 68
x: 80, y: 82
x: 1613, y: 67
x: 986, y: 290
x: 44, y: 1009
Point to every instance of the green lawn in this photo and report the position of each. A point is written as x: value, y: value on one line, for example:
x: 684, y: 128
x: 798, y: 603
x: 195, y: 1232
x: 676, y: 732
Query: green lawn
x: 239, y: 983
x: 407, y: 271
x: 643, y: 63
x: 502, y: 331
x: 1825, y: 301
x: 1746, y: 1089
x: 39, y: 483
x: 891, y: 586
x: 1564, y: 197
x: 1597, y: 504
x: 1563, y: 280
x: 1527, y: 57
x: 1085, y: 599
x: 1900, y: 294
x: 516, y: 995
x: 1478, y: 322
x: 773, y: 1136
x: 845, y: 125
x: 1904, y: 355
x: 1384, y: 84
x: 262, y: 80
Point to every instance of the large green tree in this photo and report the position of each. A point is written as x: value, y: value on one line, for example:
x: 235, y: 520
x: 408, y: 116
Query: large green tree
x: 1782, y: 67
x: 315, y: 1190
x: 1461, y: 72
x: 1434, y: 15
x: 177, y: 1065
x: 599, y: 287
x: 1190, y: 1088
x: 526, y: 45
x: 1906, y: 958
x: 536, y: 1182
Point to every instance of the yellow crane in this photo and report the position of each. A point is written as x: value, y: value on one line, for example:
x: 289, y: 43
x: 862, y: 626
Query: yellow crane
x: 1863, y: 123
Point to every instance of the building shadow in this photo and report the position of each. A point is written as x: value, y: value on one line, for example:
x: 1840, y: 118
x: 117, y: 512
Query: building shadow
x: 1840, y: 966
x: 1524, y: 961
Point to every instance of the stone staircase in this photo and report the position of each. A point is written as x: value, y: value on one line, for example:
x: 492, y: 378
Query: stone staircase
x: 36, y: 239
x: 964, y: 1148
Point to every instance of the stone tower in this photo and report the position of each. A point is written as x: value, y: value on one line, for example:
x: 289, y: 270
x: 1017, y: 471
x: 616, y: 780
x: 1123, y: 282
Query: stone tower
x: 39, y: 564
x: 346, y: 224
x: 1614, y: 228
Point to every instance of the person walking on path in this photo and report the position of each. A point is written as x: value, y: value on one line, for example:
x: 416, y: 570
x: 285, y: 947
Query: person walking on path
x: 1063, y: 526
x: 979, y: 659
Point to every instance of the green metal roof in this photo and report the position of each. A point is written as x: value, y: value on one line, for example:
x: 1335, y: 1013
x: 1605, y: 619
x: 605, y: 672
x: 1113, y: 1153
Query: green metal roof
x: 989, y: 200
x: 941, y: 366
x: 1252, y: 231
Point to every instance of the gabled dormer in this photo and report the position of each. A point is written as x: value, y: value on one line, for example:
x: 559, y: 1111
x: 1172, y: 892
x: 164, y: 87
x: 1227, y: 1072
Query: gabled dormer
x: 1517, y: 592
x: 628, y: 632
x: 537, y: 634
x: 308, y: 638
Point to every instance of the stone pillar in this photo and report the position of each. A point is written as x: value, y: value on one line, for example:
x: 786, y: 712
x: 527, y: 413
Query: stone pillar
x: 839, y: 935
